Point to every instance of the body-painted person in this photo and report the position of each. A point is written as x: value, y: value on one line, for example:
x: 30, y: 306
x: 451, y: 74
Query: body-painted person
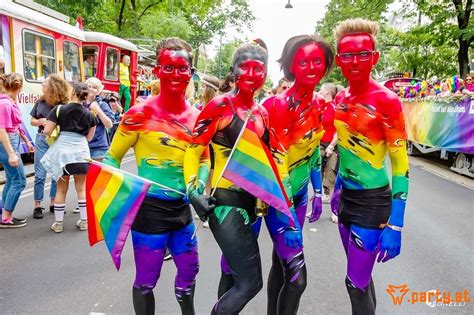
x: 369, y: 124
x: 232, y: 219
x: 295, y: 121
x: 160, y: 130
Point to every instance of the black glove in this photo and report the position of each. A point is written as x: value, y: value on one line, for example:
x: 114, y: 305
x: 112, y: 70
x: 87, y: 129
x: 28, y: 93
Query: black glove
x: 203, y: 205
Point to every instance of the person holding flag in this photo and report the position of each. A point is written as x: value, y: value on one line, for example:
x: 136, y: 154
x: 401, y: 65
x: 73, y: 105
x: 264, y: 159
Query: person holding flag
x: 160, y: 130
x: 296, y: 121
x: 236, y: 126
x: 369, y: 124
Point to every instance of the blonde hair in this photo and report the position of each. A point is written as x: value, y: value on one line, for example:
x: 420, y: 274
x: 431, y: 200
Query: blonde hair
x: 155, y: 87
x: 357, y: 26
x: 96, y: 81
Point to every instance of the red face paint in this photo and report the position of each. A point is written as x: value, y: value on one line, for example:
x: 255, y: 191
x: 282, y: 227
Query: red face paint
x: 308, y: 65
x: 251, y: 75
x: 356, y: 57
x: 174, y: 70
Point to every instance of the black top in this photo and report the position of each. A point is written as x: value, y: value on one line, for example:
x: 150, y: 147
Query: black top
x: 40, y: 110
x: 73, y: 117
x: 229, y: 134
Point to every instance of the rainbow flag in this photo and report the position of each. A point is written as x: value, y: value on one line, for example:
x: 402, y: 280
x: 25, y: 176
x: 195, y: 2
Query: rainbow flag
x: 113, y: 200
x: 251, y: 167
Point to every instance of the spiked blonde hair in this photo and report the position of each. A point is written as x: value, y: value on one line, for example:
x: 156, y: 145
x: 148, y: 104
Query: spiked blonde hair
x: 357, y: 26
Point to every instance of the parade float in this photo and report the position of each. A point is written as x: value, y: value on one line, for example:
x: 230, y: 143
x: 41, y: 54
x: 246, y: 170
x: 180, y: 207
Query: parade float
x: 439, y: 119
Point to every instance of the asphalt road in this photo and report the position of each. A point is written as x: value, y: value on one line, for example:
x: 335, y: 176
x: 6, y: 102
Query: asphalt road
x: 47, y: 273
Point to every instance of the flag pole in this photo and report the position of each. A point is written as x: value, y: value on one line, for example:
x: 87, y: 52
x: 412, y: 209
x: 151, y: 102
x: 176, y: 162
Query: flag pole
x: 232, y: 151
x: 136, y: 176
x: 226, y: 163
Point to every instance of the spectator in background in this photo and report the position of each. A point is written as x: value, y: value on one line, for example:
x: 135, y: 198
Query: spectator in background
x: 69, y: 152
x: 113, y: 101
x: 89, y: 65
x: 10, y: 134
x: 228, y: 84
x: 155, y: 87
x: 328, y: 143
x: 100, y: 143
x: 124, y: 91
x: 55, y: 91
x: 469, y: 82
x: 209, y: 88
x: 283, y: 85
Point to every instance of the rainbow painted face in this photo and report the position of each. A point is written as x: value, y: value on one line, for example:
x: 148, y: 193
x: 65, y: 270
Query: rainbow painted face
x: 356, y: 57
x: 174, y: 70
x: 251, y: 75
x: 309, y: 64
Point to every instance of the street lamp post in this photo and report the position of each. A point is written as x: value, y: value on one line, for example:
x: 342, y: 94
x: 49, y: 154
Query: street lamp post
x: 288, y: 5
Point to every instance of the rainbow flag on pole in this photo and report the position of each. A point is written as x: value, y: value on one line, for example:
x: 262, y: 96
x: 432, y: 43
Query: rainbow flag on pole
x: 251, y: 167
x: 113, y: 200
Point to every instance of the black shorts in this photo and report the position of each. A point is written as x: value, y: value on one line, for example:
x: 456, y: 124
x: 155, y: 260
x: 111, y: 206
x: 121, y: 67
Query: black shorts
x: 76, y: 169
x: 239, y: 199
x: 158, y: 216
x: 367, y: 208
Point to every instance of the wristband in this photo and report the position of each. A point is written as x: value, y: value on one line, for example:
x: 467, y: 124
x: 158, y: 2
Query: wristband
x: 394, y: 227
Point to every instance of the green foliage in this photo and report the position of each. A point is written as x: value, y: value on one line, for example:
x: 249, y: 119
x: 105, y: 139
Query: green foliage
x: 437, y: 45
x: 197, y: 21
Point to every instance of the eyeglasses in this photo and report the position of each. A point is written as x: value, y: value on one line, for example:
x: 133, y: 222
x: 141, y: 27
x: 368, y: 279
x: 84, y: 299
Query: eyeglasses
x: 361, y: 56
x: 181, y: 69
x: 468, y: 79
x: 284, y: 87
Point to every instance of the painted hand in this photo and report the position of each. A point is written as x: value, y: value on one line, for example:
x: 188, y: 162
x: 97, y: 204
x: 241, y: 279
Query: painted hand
x: 203, y: 205
x: 335, y: 200
x: 316, y: 208
x: 293, y: 238
x: 390, y: 243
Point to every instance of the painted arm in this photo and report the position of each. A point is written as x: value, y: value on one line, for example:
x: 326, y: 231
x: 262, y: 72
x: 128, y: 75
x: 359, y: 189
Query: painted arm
x: 336, y: 195
x: 196, y: 163
x: 395, y: 137
x: 125, y: 137
x: 316, y: 181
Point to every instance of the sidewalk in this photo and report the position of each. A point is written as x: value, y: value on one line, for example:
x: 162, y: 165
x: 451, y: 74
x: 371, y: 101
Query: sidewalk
x: 29, y: 171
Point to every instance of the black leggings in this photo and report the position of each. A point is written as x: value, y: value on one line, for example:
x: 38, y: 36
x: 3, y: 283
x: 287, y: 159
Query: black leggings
x: 239, y: 245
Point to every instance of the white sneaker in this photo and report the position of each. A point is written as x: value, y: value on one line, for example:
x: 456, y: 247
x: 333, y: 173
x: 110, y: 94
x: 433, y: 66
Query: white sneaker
x: 196, y: 217
x: 334, y: 218
x: 57, y: 227
x: 308, y: 214
x: 76, y: 210
x: 82, y: 225
x: 326, y: 198
x: 205, y: 224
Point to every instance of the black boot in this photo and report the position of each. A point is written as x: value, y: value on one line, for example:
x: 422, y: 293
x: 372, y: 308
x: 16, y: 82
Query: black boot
x: 186, y: 300
x: 143, y: 303
x: 362, y: 301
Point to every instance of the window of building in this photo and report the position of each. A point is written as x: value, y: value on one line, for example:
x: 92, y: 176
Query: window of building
x: 39, y: 56
x: 90, y: 55
x: 72, y: 66
x: 112, y: 64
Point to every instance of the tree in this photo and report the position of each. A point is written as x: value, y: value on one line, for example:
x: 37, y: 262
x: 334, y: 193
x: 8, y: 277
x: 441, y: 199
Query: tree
x: 450, y: 22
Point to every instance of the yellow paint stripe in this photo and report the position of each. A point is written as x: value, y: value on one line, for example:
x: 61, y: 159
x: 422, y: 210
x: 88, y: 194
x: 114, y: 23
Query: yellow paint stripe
x: 108, y: 195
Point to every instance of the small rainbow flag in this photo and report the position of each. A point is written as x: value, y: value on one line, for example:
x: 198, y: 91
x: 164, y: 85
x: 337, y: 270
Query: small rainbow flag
x: 251, y: 167
x: 113, y: 200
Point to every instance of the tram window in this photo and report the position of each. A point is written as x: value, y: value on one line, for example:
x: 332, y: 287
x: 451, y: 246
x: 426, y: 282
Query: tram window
x: 39, y: 56
x: 72, y: 69
x: 111, y: 64
x: 90, y: 60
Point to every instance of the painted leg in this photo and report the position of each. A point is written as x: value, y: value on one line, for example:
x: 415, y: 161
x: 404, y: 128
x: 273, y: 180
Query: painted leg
x: 185, y: 256
x: 274, y: 284
x: 227, y: 281
x: 292, y: 270
x: 149, y: 250
x: 361, y: 255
